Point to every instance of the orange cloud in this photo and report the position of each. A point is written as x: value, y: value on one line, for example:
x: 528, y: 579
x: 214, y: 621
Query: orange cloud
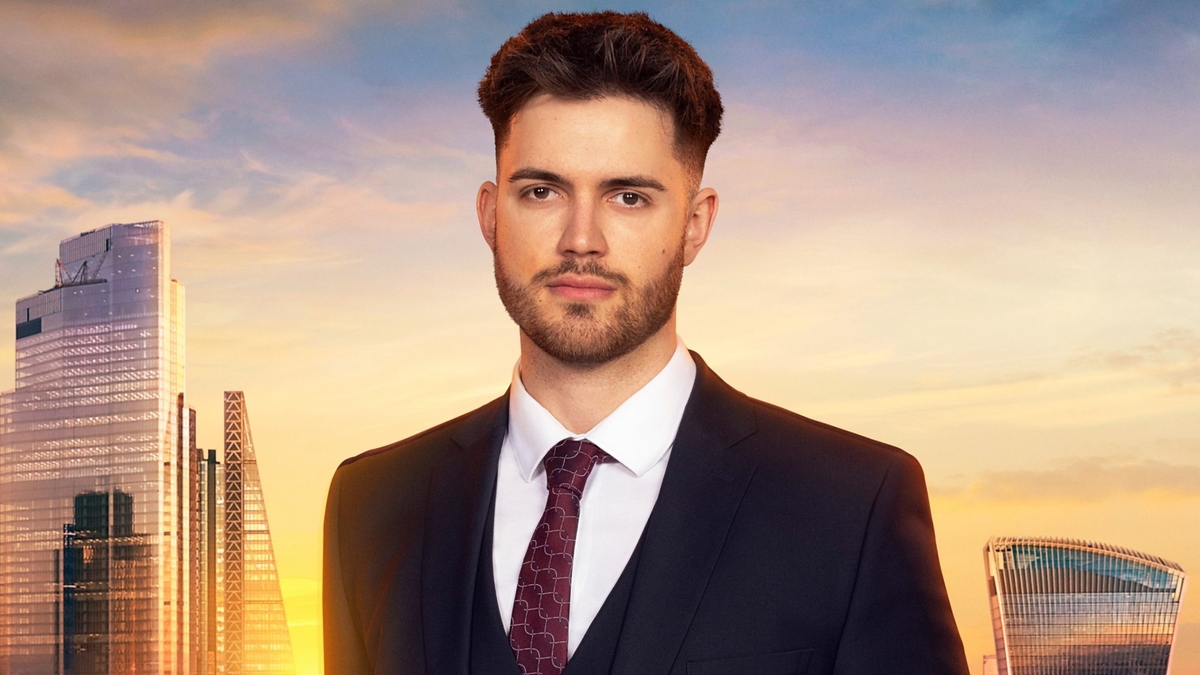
x: 1083, y: 480
x: 1171, y: 355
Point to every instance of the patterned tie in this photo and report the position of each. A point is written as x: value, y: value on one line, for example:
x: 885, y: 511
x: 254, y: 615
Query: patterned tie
x: 543, y: 602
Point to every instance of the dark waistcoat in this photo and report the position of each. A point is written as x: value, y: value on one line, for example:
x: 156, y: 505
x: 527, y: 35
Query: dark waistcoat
x: 490, y: 650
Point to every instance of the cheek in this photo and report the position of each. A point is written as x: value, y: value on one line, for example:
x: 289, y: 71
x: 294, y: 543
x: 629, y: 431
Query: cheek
x: 660, y: 250
x: 518, y: 245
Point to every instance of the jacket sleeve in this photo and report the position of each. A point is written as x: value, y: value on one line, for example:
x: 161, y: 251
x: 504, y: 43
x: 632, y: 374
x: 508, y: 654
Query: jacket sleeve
x: 345, y: 653
x: 900, y: 619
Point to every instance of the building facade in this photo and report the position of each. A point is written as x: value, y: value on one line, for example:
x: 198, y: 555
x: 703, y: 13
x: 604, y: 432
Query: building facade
x: 212, y: 564
x: 1072, y: 607
x: 112, y: 525
x: 255, y: 631
x: 93, y: 427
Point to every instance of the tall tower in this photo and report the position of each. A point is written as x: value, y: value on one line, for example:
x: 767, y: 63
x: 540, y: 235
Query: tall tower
x: 95, y: 520
x: 256, y: 633
x: 212, y: 563
x: 1071, y: 607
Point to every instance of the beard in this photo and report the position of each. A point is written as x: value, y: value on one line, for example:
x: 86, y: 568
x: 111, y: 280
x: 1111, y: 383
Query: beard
x: 584, y: 336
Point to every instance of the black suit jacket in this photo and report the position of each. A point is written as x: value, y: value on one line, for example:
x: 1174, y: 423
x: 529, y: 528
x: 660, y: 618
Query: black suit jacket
x: 777, y: 545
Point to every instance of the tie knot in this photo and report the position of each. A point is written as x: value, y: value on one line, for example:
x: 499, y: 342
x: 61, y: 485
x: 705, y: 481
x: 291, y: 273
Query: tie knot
x: 569, y: 463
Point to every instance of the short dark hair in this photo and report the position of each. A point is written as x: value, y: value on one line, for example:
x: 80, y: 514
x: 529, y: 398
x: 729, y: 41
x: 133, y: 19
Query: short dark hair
x: 596, y: 54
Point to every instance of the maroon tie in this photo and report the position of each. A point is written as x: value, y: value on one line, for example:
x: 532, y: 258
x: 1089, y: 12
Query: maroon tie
x: 543, y: 602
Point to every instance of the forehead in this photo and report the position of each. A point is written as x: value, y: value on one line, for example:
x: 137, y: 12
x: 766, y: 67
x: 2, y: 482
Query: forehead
x: 612, y: 133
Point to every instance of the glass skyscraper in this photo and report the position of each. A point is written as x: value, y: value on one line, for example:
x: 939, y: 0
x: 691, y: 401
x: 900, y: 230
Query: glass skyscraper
x: 113, y: 523
x: 91, y: 460
x: 1071, y: 607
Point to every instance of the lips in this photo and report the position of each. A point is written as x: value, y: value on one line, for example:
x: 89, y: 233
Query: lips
x: 573, y: 281
x: 581, y: 287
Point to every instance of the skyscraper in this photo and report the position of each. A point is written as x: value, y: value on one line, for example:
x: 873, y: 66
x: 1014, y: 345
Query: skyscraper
x: 115, y: 528
x: 212, y: 565
x: 256, y: 636
x: 93, y: 433
x: 1071, y: 607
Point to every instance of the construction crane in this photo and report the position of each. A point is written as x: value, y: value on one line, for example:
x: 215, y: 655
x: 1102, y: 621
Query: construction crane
x: 82, y: 276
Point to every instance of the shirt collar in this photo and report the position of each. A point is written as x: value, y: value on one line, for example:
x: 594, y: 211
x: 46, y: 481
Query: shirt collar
x: 637, y: 434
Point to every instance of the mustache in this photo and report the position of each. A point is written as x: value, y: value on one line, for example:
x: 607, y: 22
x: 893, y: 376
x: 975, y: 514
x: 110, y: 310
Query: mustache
x: 582, y: 268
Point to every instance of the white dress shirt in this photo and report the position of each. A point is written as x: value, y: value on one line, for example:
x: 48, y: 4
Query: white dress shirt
x: 618, y: 496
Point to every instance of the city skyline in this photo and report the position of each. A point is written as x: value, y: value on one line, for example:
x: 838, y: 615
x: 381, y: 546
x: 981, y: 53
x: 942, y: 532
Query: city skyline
x: 964, y: 228
x: 124, y: 547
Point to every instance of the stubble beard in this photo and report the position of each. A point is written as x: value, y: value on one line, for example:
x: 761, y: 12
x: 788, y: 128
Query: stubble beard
x: 583, y: 336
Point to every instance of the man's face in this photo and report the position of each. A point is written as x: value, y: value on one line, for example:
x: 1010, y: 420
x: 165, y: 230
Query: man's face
x: 591, y: 225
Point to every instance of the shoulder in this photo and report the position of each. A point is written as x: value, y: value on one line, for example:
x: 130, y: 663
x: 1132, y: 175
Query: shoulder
x: 462, y: 429
x: 774, y: 432
x: 795, y: 434
x: 404, y: 466
x: 792, y: 451
x: 839, y: 465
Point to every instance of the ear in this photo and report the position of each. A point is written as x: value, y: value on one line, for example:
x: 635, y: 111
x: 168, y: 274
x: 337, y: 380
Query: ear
x: 699, y: 223
x: 485, y: 209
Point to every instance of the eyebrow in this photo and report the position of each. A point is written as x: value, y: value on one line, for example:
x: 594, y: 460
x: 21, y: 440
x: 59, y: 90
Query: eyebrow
x: 643, y: 182
x: 537, y: 174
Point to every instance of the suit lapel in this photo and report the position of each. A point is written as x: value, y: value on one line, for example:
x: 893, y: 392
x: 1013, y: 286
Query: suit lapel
x: 701, y: 490
x: 460, y: 494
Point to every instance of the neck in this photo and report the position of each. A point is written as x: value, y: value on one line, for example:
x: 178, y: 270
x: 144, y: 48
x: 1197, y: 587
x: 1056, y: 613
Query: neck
x: 580, y: 396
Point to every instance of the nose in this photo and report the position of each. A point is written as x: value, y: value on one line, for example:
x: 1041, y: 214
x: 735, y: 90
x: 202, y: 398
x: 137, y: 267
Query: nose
x: 583, y: 234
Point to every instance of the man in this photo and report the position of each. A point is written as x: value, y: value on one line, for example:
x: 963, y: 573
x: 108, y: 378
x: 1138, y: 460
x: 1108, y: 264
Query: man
x: 621, y: 509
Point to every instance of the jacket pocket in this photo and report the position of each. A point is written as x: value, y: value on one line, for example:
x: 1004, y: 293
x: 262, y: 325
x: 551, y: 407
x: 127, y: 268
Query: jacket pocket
x: 778, y: 663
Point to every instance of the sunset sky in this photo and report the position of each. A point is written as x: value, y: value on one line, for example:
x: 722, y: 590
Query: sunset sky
x: 967, y: 228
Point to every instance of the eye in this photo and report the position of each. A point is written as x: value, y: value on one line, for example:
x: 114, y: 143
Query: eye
x: 630, y: 199
x: 540, y: 193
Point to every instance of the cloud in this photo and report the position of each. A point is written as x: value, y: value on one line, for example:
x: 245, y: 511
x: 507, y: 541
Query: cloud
x: 193, y: 28
x: 1158, y: 27
x: 110, y: 80
x: 1085, y: 480
x: 70, y: 61
x: 1172, y: 356
x: 253, y: 110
